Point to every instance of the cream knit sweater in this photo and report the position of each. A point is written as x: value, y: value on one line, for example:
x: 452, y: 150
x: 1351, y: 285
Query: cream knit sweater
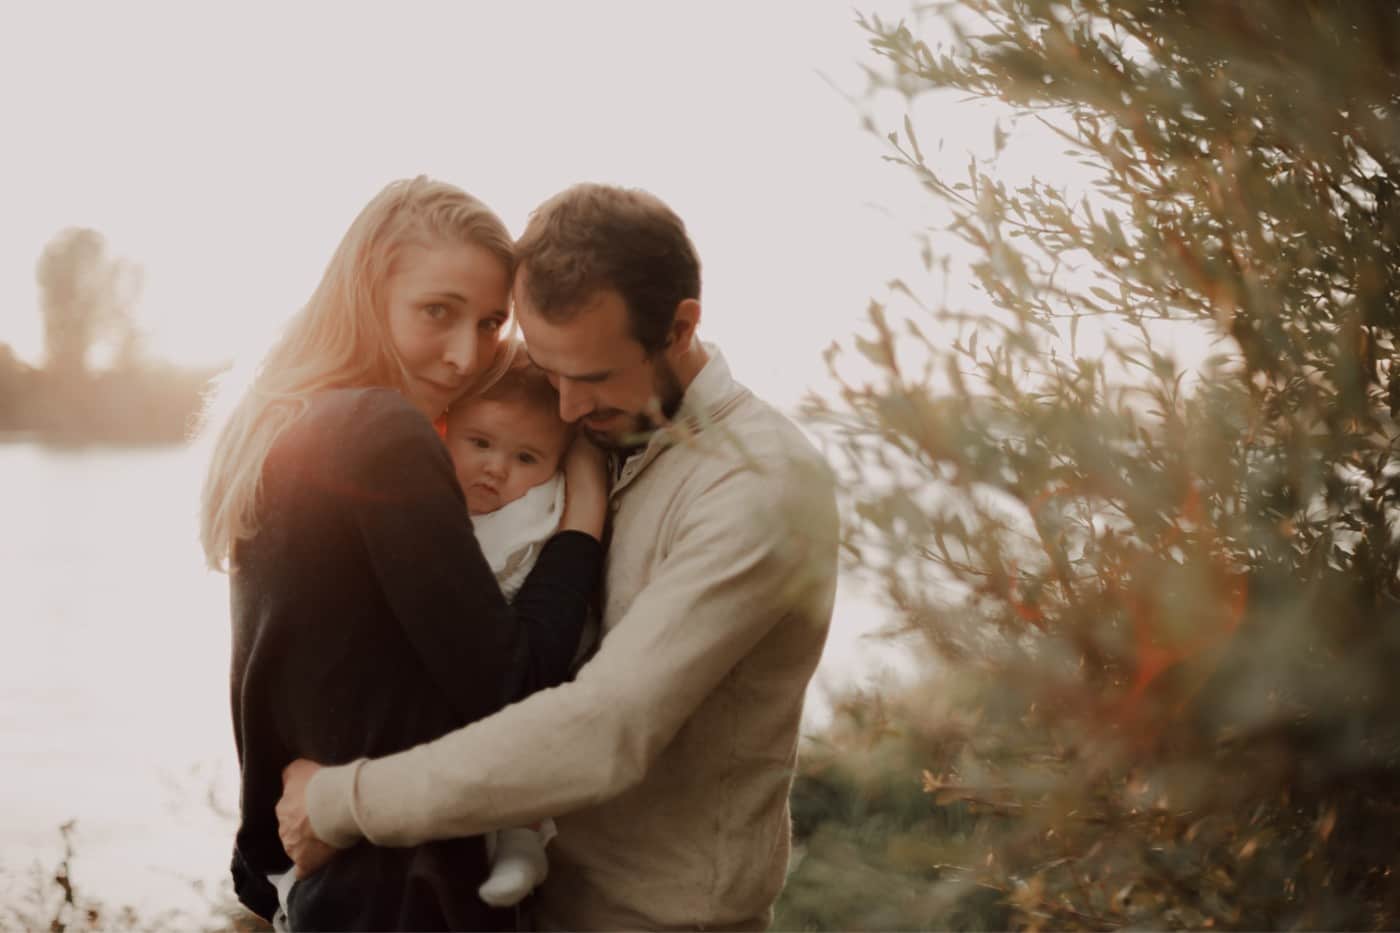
x: 667, y: 762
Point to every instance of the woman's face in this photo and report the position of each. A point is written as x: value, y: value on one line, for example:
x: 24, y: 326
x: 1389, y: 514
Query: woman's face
x: 447, y: 307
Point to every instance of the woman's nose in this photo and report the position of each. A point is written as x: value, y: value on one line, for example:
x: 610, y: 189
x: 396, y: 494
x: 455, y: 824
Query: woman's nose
x: 460, y: 350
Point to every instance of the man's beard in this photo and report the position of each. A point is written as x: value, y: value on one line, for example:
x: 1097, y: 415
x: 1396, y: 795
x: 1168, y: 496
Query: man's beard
x: 667, y: 391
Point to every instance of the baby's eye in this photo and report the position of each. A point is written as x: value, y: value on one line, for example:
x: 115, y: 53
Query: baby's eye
x: 480, y: 443
x: 529, y: 459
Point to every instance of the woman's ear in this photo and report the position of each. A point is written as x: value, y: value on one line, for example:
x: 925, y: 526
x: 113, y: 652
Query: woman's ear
x: 683, y: 326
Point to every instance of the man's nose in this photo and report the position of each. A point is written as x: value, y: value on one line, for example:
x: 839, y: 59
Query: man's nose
x: 575, y: 400
x: 460, y: 350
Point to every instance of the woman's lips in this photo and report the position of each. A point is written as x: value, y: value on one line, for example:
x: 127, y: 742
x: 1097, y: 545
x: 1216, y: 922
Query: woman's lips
x: 440, y: 387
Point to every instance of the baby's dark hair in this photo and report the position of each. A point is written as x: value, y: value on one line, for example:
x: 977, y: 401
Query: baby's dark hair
x: 525, y: 383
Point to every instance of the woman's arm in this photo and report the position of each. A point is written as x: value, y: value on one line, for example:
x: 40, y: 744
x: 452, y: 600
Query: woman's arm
x: 586, y: 478
x: 409, y: 512
x: 580, y: 530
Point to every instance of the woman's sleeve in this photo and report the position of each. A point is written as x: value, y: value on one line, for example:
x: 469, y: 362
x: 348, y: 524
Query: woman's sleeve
x: 412, y: 520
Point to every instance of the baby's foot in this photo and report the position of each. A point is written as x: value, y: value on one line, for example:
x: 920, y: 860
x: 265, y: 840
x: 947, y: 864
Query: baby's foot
x: 510, y: 881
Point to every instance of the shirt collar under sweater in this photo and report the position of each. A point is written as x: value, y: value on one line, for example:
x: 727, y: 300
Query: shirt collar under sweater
x: 710, y: 394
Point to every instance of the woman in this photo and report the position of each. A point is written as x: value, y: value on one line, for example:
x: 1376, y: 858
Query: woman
x: 365, y: 619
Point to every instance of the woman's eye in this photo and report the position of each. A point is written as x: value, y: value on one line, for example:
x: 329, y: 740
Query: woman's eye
x: 435, y: 312
x: 491, y: 325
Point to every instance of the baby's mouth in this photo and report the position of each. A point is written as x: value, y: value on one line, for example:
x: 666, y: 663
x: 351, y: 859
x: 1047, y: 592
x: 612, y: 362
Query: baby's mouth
x: 484, y: 491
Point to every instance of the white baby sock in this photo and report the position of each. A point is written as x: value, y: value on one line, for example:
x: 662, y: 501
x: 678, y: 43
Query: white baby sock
x: 517, y: 868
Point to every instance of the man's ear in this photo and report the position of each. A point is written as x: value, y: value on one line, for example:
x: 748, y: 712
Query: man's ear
x: 683, y: 326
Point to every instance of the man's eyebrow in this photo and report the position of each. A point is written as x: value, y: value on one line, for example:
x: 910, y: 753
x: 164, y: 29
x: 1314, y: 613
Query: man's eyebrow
x: 582, y: 377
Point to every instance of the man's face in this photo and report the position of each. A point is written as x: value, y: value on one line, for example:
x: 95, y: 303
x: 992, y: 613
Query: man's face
x: 606, y: 381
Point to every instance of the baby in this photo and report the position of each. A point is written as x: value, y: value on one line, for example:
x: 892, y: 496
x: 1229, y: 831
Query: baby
x: 507, y: 445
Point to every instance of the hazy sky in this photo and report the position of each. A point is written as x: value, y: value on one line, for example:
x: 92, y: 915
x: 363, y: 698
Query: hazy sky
x: 226, y: 148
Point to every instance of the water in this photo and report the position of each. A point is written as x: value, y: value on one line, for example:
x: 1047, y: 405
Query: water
x: 114, y: 672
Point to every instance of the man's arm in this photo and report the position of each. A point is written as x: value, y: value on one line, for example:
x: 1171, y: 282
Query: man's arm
x: 758, y: 548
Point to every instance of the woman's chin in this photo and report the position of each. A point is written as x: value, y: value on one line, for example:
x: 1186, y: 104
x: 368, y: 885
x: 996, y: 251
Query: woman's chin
x: 431, y: 398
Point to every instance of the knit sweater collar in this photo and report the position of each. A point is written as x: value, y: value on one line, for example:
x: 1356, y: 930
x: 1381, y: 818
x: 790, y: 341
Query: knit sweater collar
x: 710, y: 395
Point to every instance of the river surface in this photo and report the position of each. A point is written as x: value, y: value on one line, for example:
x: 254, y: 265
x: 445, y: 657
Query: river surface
x: 114, y: 647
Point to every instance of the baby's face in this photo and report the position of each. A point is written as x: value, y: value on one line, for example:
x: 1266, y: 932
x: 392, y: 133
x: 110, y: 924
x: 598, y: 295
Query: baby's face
x: 502, y: 450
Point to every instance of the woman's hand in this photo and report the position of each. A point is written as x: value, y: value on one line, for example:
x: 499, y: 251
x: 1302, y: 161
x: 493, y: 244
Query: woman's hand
x: 294, y: 824
x: 586, y: 488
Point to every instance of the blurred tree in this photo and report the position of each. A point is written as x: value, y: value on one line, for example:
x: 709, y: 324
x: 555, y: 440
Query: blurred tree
x: 85, y: 297
x: 15, y: 385
x: 1161, y: 604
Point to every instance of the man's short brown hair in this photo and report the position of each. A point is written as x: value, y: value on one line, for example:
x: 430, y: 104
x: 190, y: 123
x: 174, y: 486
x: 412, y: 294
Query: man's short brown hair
x: 594, y: 237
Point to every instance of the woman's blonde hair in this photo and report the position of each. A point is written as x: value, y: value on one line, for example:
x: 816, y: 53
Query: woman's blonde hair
x: 340, y: 339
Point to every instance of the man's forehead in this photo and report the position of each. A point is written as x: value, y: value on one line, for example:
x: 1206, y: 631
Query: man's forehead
x: 586, y: 342
x: 576, y: 363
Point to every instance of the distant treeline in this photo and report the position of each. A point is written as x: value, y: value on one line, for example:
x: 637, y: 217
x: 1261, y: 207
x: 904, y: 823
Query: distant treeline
x: 150, y: 403
x: 86, y: 299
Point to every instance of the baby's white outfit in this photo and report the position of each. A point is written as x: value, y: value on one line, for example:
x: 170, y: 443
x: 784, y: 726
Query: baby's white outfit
x: 513, y: 536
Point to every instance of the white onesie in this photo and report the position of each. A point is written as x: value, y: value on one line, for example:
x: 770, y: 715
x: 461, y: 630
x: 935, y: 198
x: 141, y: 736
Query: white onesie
x: 513, y: 536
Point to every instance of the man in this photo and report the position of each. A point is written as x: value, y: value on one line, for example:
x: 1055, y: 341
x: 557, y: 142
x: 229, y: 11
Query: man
x: 668, y: 760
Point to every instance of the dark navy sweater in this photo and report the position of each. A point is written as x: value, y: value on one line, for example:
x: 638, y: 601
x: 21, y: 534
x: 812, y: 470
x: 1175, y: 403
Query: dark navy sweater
x: 366, y: 621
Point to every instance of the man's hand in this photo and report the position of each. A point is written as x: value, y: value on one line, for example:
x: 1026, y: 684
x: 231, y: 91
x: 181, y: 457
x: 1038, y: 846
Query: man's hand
x: 294, y: 825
